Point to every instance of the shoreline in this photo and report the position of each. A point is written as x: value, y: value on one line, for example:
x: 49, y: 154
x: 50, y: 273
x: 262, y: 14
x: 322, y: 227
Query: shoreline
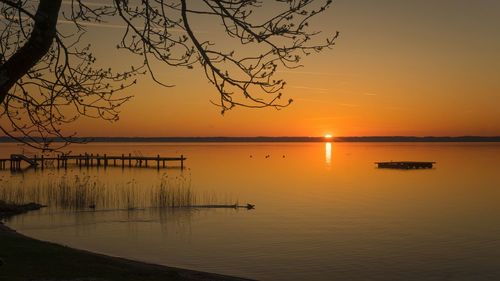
x: 25, y: 258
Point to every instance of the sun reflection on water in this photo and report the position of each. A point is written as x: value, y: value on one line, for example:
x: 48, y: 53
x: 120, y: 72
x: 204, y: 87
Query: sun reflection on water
x: 328, y: 153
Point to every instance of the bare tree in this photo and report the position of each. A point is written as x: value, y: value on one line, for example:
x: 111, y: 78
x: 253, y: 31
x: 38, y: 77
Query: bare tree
x: 48, y: 78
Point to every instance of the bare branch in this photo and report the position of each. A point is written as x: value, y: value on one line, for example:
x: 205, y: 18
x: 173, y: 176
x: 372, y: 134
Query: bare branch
x: 48, y: 79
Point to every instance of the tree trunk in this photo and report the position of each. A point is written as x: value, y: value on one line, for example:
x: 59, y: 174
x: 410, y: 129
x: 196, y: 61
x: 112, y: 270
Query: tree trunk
x: 41, y: 38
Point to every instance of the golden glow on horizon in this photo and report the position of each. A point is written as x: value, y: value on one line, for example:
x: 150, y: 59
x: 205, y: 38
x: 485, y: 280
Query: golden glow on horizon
x: 328, y: 136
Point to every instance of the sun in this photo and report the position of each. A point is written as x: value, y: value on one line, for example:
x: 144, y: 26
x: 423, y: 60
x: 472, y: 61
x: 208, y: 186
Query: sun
x: 328, y: 136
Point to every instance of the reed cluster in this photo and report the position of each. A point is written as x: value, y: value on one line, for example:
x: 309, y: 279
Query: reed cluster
x: 83, y: 192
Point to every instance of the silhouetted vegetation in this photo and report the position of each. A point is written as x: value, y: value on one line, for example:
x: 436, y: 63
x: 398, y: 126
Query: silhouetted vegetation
x: 49, y: 76
x: 85, y: 192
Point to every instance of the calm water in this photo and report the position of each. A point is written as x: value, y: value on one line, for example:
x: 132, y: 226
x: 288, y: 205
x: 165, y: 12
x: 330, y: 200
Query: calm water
x: 323, y: 211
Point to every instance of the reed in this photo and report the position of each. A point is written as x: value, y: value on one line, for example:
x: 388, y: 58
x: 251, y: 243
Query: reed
x: 169, y: 195
x: 77, y: 192
x: 65, y: 192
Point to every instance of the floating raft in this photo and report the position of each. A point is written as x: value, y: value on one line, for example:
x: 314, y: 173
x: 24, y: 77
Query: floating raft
x: 406, y: 165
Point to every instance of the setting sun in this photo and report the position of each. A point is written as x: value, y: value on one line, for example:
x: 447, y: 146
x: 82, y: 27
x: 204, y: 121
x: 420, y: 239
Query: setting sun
x: 328, y: 136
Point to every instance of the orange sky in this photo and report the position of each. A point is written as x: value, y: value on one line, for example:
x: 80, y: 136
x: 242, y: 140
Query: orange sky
x: 415, y: 67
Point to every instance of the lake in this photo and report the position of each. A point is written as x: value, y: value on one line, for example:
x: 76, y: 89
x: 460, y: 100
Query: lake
x: 323, y: 211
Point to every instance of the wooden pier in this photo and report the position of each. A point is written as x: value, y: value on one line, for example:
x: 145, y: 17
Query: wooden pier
x: 86, y: 160
x: 405, y: 165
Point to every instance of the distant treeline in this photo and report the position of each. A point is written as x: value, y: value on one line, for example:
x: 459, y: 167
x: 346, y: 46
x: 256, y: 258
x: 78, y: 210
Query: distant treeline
x: 276, y: 139
x: 418, y: 139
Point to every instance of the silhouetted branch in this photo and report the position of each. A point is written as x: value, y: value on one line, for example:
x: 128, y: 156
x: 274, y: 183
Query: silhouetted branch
x: 48, y: 79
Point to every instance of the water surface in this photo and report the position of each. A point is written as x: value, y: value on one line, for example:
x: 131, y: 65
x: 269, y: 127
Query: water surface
x: 323, y: 211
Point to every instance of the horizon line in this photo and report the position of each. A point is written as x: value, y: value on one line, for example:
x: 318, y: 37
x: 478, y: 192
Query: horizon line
x: 387, y: 138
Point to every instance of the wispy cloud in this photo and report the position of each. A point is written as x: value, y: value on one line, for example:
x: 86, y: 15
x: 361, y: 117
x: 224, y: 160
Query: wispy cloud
x: 83, y: 23
x: 309, y: 99
x: 348, y: 104
x: 119, y: 26
x: 310, y: 88
x: 327, y: 118
x: 94, y: 4
x: 396, y: 108
x: 315, y: 73
x: 108, y: 25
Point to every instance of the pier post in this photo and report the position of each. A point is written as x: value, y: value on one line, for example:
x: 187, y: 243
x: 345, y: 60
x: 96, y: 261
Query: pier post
x: 65, y: 161
x: 158, y: 162
x: 43, y: 163
x: 57, y: 159
x: 91, y: 159
x: 130, y: 160
x: 105, y: 161
x: 182, y: 162
x: 34, y: 159
x: 123, y: 161
x: 80, y: 161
